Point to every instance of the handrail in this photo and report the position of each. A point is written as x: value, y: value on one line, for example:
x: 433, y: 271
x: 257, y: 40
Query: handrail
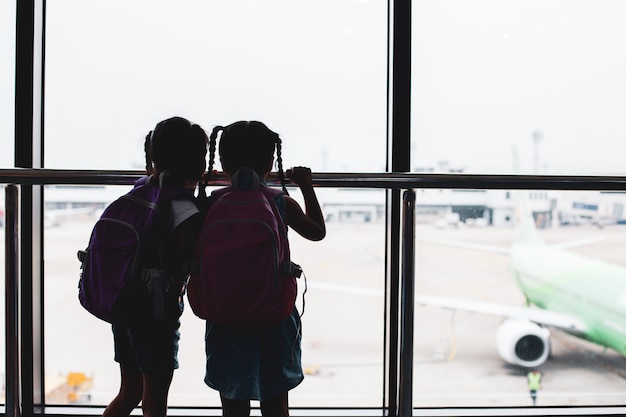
x: 388, y: 180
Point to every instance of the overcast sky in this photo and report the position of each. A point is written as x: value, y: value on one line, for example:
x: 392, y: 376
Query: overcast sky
x: 487, y: 74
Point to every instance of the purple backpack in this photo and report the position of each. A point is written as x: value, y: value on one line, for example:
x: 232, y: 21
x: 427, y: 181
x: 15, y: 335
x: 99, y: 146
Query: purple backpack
x: 245, y: 273
x: 126, y: 254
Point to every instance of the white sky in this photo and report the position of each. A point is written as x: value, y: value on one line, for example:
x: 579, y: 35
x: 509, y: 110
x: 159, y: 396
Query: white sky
x: 487, y: 74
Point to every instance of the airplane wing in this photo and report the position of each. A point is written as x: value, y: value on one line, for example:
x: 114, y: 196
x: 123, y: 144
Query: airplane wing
x: 535, y: 315
x: 575, y: 243
x: 506, y: 251
x: 467, y: 245
x: 532, y: 314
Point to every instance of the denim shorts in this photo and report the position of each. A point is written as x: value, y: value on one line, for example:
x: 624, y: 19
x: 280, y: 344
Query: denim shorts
x: 151, y: 347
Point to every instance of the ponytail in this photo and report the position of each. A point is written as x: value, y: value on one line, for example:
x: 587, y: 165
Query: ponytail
x: 148, y: 153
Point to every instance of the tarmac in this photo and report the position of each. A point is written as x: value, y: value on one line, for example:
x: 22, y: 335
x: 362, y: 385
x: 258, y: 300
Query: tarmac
x: 455, y: 359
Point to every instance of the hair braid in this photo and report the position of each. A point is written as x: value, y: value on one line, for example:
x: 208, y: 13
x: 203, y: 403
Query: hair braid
x: 279, y: 162
x: 205, y: 179
x: 147, y: 152
x: 212, y: 146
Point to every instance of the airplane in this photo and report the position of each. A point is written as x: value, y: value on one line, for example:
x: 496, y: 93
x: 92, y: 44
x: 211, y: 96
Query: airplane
x: 582, y: 296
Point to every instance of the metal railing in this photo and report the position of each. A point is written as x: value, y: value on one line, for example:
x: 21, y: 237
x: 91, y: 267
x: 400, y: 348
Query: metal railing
x: 353, y: 180
x: 404, y: 233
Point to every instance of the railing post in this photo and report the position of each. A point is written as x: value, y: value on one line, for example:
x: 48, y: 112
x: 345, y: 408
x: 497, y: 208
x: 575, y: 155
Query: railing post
x: 407, y: 305
x: 12, y: 384
x: 393, y: 277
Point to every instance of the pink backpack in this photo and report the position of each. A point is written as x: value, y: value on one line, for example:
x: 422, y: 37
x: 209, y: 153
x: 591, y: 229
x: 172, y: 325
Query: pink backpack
x: 245, y: 273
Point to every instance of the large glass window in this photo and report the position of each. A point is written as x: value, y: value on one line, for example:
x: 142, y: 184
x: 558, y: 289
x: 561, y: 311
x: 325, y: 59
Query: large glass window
x: 497, y: 87
x: 314, y: 71
x: 542, y: 76
x: 530, y: 87
x: 343, y: 314
x: 504, y: 288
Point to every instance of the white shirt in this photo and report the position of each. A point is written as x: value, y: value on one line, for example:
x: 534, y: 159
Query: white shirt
x: 181, y: 211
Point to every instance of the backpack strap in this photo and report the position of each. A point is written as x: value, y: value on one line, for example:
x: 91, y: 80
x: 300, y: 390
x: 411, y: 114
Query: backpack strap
x: 245, y: 178
x: 158, y: 280
x: 158, y: 283
x: 277, y: 200
x: 141, y: 181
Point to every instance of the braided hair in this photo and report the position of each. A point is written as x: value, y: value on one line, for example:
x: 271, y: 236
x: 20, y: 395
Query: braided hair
x: 247, y: 143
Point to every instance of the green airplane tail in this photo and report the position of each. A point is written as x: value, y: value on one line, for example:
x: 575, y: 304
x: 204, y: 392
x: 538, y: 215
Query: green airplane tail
x: 526, y: 227
x: 527, y: 230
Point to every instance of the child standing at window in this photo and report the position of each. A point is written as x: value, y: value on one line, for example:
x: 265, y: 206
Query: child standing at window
x: 145, y: 348
x: 261, y: 363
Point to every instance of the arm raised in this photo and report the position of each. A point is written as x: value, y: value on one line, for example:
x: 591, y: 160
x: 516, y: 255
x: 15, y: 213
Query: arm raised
x: 309, y: 223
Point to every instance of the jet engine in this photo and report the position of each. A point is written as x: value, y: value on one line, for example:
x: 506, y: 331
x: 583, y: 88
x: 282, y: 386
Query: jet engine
x: 523, y: 343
